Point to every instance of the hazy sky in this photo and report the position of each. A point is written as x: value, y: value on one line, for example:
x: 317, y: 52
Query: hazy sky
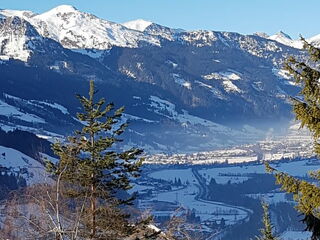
x: 244, y: 16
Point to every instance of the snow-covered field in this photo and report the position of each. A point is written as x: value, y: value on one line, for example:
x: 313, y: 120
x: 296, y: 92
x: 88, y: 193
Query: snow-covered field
x: 139, y: 188
x: 188, y: 195
x: 295, y: 168
x: 16, y: 161
x: 225, y: 179
x: 170, y: 175
x: 13, y: 112
x: 187, y: 198
x: 271, y: 198
x: 295, y: 235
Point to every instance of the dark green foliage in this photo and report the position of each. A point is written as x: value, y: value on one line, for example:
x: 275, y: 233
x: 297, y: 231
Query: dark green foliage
x: 313, y: 224
x: 10, y: 182
x: 235, y: 194
x: 94, y: 172
x: 191, y: 216
x: 307, y: 75
x: 307, y: 110
x: 258, y: 183
x: 306, y: 194
x: 25, y: 142
x: 267, y: 230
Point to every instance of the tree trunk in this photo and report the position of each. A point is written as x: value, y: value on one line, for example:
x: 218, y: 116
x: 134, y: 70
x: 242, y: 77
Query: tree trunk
x: 93, y: 211
x: 93, y: 195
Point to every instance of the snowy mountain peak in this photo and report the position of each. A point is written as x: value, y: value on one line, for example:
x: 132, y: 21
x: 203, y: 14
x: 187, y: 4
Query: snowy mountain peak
x: 63, y: 9
x: 283, y: 35
x: 285, y: 39
x: 80, y: 30
x: 139, y: 24
x: 280, y: 37
x: 16, y: 13
x: 315, y: 40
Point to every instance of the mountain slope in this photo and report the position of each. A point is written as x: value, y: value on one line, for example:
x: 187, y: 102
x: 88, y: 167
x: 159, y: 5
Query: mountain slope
x: 79, y: 30
x: 183, y: 90
x: 285, y: 39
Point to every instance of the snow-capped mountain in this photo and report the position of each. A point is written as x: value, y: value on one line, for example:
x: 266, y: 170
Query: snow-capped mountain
x: 153, y: 29
x: 315, y: 40
x: 285, y: 39
x: 183, y: 90
x: 18, y: 38
x: 79, y: 30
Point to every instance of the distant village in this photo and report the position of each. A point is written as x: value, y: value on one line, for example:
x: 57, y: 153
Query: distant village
x: 297, y: 143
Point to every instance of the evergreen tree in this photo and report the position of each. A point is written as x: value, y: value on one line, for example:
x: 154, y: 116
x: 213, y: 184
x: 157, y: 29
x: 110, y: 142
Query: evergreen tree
x: 307, y: 75
x: 212, y: 182
x: 266, y: 231
x: 94, y: 172
x: 179, y: 183
x: 307, y: 110
x: 222, y: 223
x: 307, y: 196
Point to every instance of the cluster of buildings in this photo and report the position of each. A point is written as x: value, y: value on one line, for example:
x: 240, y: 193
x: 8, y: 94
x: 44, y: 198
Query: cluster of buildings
x: 296, y: 143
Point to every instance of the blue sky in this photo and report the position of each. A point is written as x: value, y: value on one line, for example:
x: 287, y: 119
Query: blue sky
x: 244, y: 16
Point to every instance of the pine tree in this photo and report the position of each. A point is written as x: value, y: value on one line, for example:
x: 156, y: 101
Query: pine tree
x: 95, y: 173
x: 307, y: 196
x: 307, y: 110
x: 307, y: 75
x: 266, y: 232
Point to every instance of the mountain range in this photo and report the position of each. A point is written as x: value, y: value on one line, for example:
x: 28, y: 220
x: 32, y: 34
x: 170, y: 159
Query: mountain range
x: 184, y: 91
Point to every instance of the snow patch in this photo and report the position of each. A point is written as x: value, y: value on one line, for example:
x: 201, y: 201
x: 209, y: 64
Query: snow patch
x: 93, y: 53
x: 16, y: 161
x: 128, y: 73
x: 54, y: 105
x: 295, y: 235
x: 281, y: 73
x: 229, y: 86
x: 139, y: 24
x: 284, y: 74
x: 132, y: 117
x: 179, y: 80
x: 215, y: 91
x: 52, y: 137
x: 13, y: 112
x: 39, y: 103
x: 227, y: 79
x: 15, y: 46
x: 173, y: 64
x: 228, y: 75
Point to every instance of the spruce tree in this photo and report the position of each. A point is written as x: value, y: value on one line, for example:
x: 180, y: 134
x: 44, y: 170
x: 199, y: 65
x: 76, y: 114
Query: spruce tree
x: 267, y: 230
x: 307, y: 110
x: 307, y: 75
x: 94, y: 172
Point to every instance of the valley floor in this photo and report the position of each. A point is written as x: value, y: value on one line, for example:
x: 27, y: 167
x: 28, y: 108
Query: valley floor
x: 164, y: 191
